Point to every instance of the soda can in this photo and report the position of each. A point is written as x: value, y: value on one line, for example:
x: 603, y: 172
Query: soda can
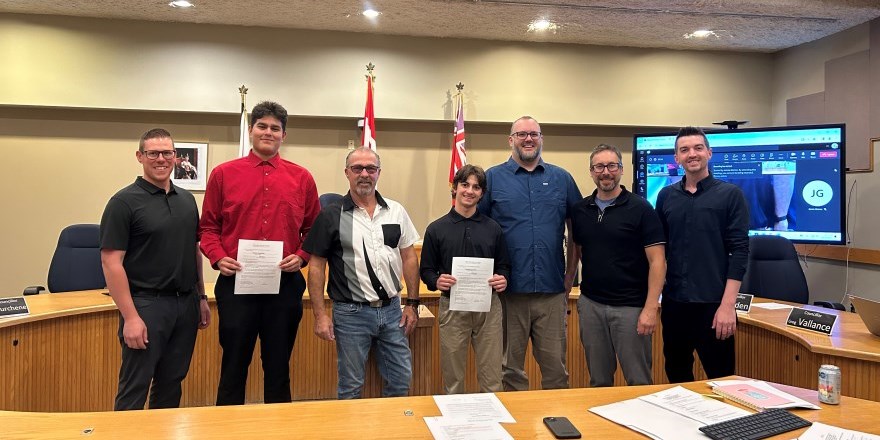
x: 829, y: 384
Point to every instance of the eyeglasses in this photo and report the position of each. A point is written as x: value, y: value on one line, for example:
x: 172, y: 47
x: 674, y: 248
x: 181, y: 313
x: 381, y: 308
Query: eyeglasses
x: 371, y: 169
x: 525, y: 134
x: 611, y: 167
x: 154, y: 154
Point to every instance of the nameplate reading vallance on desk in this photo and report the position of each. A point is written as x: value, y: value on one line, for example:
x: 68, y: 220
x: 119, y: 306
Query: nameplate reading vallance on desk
x: 811, y: 320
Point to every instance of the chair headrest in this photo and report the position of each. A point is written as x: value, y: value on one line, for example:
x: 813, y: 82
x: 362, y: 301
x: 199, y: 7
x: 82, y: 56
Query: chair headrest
x: 771, y: 247
x: 80, y: 236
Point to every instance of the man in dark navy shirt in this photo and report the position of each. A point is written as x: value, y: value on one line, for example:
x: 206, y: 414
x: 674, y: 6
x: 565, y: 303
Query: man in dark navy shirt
x: 464, y: 232
x: 706, y: 223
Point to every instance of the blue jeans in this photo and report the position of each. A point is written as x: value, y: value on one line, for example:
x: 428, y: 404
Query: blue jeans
x: 356, y: 327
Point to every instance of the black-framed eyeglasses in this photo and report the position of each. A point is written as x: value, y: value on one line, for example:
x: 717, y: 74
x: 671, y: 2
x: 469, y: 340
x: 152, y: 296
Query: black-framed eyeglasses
x: 154, y: 154
x: 370, y: 169
x: 525, y: 134
x: 611, y: 167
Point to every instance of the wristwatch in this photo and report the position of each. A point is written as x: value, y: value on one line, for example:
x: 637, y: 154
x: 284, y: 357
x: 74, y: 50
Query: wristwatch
x: 414, y: 303
x: 203, y: 297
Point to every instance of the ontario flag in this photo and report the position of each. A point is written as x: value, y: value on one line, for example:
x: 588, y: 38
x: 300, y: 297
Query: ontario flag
x: 369, y: 135
x: 459, y: 157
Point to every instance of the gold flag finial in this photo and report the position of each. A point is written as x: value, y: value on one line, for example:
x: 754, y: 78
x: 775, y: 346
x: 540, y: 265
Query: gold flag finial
x: 460, y: 87
x: 243, y: 91
x: 370, y: 68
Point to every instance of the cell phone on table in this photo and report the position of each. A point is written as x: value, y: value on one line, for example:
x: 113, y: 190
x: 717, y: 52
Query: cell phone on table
x: 561, y: 427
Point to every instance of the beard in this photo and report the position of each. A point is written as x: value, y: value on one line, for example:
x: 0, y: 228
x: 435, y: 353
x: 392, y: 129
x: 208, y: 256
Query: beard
x: 364, y: 190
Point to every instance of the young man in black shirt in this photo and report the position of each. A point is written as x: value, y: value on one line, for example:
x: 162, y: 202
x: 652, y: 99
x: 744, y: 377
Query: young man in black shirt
x: 464, y: 232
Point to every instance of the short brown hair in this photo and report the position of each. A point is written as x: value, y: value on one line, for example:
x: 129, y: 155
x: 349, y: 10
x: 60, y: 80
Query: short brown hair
x: 154, y: 133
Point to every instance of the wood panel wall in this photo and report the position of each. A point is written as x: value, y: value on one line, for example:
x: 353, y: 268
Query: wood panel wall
x: 71, y: 363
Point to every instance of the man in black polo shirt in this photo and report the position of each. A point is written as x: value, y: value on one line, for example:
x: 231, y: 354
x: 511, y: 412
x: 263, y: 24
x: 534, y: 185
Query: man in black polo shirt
x: 149, y: 251
x: 464, y: 232
x: 622, y: 254
x: 707, y: 224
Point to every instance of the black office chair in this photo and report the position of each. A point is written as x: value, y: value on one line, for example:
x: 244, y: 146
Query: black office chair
x: 76, y: 264
x: 830, y: 305
x: 774, y: 271
x: 328, y: 199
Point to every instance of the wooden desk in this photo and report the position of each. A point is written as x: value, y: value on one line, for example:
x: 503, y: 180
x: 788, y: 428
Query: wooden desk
x: 380, y: 418
x: 65, y: 356
x: 768, y: 349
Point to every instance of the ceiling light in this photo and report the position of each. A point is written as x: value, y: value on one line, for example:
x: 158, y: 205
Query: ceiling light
x: 542, y: 25
x: 181, y: 4
x: 370, y: 13
x: 701, y: 34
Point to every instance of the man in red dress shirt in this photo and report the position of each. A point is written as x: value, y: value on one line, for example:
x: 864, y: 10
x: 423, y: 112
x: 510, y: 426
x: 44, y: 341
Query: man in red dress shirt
x: 258, y: 197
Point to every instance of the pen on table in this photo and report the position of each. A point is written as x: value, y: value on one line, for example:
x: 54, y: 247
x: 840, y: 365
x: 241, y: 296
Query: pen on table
x: 712, y: 396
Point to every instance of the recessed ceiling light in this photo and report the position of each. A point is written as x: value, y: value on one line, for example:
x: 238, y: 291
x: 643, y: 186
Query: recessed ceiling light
x: 180, y: 4
x: 703, y: 33
x: 542, y: 25
x: 370, y: 13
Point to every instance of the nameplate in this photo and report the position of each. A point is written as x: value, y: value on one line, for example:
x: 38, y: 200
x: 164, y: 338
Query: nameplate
x: 10, y: 307
x: 743, y: 302
x: 811, y: 320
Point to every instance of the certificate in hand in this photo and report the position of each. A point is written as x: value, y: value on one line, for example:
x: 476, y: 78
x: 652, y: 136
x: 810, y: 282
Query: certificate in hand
x: 471, y: 291
x: 259, y: 272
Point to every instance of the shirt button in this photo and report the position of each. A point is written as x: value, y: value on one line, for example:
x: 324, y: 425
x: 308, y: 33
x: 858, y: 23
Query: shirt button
x: 266, y: 205
x: 265, y: 221
x: 267, y: 189
x: 267, y: 174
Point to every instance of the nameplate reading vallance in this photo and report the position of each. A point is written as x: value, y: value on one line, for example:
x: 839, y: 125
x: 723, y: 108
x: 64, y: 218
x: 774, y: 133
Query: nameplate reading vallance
x: 811, y: 320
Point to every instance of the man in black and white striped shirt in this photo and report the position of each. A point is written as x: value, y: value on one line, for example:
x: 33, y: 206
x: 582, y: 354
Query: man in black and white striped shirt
x: 368, y: 242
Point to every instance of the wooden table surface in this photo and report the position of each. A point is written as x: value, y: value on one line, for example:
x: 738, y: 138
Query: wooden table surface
x: 380, y: 418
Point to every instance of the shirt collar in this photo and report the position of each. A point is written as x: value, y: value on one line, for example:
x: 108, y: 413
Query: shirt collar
x: 348, y: 203
x: 513, y: 166
x: 701, y: 185
x: 255, y: 160
x: 456, y: 217
x: 150, y: 188
x: 619, y: 200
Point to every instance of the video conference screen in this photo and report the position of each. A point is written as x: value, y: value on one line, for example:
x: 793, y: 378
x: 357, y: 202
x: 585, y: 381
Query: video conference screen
x: 793, y: 177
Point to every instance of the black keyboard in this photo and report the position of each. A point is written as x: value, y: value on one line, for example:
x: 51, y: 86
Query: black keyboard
x: 756, y: 426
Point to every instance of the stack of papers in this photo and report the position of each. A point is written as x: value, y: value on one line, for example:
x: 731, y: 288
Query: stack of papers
x: 673, y: 414
x: 757, y: 394
x: 470, y: 416
x: 821, y: 431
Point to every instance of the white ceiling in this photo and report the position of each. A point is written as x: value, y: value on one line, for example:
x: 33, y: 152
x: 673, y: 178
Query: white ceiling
x: 740, y: 25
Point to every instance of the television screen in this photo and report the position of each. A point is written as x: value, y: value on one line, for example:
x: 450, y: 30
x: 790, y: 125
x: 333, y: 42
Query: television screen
x: 793, y: 177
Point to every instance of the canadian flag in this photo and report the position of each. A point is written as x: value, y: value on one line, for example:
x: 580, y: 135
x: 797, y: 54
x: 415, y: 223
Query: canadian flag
x: 369, y: 136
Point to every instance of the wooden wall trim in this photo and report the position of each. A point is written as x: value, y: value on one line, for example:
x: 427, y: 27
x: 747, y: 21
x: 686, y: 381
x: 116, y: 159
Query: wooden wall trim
x: 839, y: 253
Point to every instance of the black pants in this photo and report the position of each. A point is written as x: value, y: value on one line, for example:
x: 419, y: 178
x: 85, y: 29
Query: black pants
x: 688, y: 327
x: 172, y: 323
x: 242, y: 318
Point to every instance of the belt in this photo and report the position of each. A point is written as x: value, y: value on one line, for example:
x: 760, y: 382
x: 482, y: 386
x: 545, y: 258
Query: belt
x: 376, y: 304
x: 152, y: 293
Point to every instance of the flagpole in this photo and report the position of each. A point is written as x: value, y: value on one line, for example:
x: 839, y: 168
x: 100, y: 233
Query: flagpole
x: 243, y: 142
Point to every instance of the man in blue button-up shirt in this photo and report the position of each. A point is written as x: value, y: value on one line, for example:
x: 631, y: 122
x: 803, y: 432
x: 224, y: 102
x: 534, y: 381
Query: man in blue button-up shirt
x: 532, y: 201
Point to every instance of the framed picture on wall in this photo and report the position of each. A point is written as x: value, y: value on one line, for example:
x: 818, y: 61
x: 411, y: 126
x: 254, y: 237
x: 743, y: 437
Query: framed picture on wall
x: 190, y: 166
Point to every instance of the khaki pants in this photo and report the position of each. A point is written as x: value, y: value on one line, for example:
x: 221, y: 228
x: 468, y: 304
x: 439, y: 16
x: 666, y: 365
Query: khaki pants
x: 540, y: 317
x: 457, y: 330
